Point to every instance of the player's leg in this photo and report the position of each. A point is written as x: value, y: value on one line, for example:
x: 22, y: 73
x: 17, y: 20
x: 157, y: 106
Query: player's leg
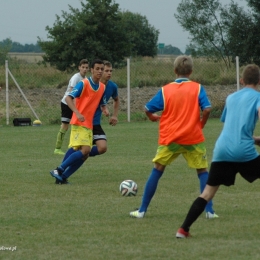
x: 197, y: 207
x: 203, y: 177
x: 66, y: 115
x: 99, y: 141
x: 163, y: 157
x: 221, y: 173
x: 196, y: 158
x: 81, y: 140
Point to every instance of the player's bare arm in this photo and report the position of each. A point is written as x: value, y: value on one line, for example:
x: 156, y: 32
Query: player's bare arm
x: 113, y: 120
x: 72, y: 106
x: 205, y: 116
x: 153, y: 117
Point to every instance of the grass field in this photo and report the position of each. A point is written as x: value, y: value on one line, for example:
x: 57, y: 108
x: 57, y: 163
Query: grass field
x: 89, y: 219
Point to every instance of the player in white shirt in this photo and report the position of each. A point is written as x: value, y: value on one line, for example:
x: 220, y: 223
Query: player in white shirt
x: 66, y: 112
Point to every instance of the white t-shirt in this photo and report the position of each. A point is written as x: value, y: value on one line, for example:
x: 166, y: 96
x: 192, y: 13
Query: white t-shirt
x: 75, y: 79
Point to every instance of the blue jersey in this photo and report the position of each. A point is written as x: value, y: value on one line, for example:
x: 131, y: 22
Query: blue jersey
x: 157, y: 102
x: 111, y: 91
x: 77, y: 90
x: 236, y: 143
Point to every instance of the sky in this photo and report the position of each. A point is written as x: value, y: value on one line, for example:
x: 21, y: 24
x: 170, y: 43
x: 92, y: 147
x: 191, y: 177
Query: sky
x: 24, y: 20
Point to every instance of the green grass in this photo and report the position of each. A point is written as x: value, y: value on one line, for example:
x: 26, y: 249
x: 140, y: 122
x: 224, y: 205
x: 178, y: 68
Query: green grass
x: 90, y: 219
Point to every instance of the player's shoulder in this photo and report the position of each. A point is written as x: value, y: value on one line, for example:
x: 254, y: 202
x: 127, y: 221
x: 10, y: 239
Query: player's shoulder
x: 111, y: 83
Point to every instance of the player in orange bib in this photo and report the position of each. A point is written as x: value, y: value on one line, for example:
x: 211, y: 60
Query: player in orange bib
x: 89, y: 94
x: 180, y: 130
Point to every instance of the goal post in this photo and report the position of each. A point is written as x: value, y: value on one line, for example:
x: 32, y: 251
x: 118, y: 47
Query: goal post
x: 8, y: 72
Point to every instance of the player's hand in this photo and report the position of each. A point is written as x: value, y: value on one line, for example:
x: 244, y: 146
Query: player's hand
x: 257, y: 140
x: 113, y: 120
x: 80, y: 117
x: 154, y: 117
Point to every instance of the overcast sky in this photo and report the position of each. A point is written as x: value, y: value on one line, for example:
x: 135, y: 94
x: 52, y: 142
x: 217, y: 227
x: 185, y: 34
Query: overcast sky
x: 24, y: 20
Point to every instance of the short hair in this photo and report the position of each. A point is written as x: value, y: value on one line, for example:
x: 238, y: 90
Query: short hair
x: 107, y: 63
x: 251, y: 74
x: 83, y: 61
x: 183, y: 65
x: 96, y: 61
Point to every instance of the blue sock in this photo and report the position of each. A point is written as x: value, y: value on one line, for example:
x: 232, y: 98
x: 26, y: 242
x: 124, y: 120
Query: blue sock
x: 73, y: 158
x: 68, y: 153
x: 94, y: 151
x: 150, y: 188
x: 203, y: 177
x: 71, y: 169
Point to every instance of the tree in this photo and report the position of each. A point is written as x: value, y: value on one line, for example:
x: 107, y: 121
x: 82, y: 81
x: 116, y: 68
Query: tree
x: 5, y: 47
x: 241, y: 30
x: 98, y: 30
x: 141, y: 35
x: 169, y: 49
x: 201, y: 18
x: 93, y: 32
x: 222, y: 32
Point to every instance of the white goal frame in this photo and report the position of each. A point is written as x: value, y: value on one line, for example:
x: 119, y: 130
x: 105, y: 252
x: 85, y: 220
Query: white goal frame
x: 8, y: 72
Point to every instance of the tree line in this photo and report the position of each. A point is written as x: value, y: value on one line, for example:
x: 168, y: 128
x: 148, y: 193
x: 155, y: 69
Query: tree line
x: 11, y: 46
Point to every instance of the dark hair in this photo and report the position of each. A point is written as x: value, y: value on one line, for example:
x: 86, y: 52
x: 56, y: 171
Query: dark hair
x: 251, y: 74
x: 96, y: 61
x: 107, y: 63
x: 83, y: 61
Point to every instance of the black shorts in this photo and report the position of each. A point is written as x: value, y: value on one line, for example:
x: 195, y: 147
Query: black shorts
x: 98, y: 133
x: 66, y: 113
x: 225, y: 172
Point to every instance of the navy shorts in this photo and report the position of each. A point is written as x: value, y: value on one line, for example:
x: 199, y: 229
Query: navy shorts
x: 225, y: 172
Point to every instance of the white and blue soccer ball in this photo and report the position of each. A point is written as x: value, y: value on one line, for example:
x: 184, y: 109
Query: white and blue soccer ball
x: 128, y: 188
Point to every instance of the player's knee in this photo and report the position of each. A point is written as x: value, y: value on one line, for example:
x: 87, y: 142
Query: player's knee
x: 102, y: 149
x: 85, y: 151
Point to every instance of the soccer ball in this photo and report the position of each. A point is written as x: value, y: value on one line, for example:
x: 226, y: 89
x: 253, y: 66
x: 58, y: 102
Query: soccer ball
x: 128, y: 188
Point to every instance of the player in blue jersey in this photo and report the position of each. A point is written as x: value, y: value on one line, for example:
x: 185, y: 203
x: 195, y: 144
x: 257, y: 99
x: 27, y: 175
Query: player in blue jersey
x: 99, y: 136
x: 235, y: 150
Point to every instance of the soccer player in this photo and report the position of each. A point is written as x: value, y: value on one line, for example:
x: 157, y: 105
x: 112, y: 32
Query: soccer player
x: 99, y: 136
x: 89, y: 94
x: 66, y: 112
x: 235, y: 149
x: 180, y: 130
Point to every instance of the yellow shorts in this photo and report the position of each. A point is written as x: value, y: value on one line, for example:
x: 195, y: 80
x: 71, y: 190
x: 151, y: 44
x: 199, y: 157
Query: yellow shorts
x: 80, y: 136
x: 195, y: 155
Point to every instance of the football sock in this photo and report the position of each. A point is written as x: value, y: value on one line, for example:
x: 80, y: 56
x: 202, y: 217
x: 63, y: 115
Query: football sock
x: 203, y: 177
x: 68, y: 153
x: 94, y: 151
x: 60, y: 138
x: 195, y: 210
x: 150, y: 188
x: 71, y: 169
x: 73, y: 158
